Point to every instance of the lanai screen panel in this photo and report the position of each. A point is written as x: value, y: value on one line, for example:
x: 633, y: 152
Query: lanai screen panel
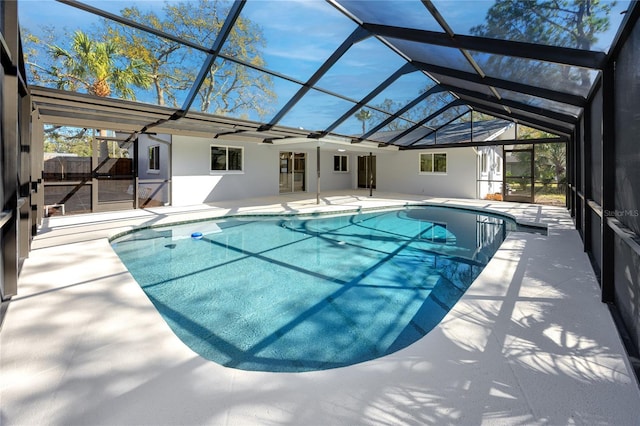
x: 293, y: 64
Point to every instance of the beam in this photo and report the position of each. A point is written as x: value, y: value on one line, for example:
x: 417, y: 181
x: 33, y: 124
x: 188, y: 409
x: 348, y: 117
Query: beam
x: 559, y: 55
x: 540, y: 92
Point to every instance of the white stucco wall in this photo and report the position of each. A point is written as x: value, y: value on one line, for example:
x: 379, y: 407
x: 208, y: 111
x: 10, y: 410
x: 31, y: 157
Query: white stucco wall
x: 399, y: 172
x: 193, y: 183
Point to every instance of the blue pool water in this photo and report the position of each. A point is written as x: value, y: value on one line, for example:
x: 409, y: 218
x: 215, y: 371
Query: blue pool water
x: 299, y: 294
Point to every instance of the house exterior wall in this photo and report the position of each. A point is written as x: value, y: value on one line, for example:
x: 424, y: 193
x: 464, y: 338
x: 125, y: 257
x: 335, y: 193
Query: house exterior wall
x: 399, y: 172
x: 194, y: 183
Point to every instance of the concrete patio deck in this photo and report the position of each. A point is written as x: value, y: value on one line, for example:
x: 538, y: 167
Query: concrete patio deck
x: 529, y: 343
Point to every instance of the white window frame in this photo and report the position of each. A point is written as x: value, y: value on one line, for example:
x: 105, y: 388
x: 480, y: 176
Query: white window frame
x: 226, y: 148
x: 432, y: 172
x: 156, y: 149
x: 344, y: 163
x: 484, y: 163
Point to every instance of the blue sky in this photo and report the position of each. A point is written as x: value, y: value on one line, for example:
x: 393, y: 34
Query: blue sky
x: 301, y: 34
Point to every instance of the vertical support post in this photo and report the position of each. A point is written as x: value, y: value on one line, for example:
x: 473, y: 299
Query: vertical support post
x: 608, y: 181
x: 318, y: 170
x: 370, y: 174
x: 586, y: 178
x: 136, y: 174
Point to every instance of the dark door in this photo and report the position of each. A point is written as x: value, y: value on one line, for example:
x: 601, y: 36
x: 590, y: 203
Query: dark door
x: 367, y: 171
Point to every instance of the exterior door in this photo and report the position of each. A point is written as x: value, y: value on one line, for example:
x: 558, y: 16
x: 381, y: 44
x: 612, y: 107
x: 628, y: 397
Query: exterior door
x: 293, y: 172
x: 367, y: 171
x: 114, y: 175
x: 518, y: 175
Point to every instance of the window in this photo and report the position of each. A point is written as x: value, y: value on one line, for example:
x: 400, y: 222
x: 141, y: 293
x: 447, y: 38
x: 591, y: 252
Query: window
x: 433, y: 163
x: 340, y: 163
x: 154, y: 158
x: 484, y: 167
x: 226, y: 158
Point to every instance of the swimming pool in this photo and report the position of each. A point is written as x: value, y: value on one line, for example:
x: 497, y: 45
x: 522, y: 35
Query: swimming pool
x: 295, y: 294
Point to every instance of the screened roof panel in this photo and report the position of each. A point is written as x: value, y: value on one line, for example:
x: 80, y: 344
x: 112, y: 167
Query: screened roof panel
x: 198, y: 23
x: 315, y: 111
x: 254, y: 95
x: 559, y: 77
x: 427, y: 140
x: 438, y: 55
x: 368, y: 58
x: 457, y: 131
x: 540, y: 102
x: 463, y: 84
x: 297, y: 36
x: 402, y: 91
x: 410, y: 14
x: 549, y: 24
x: 447, y: 115
x: 295, y: 39
x: 428, y: 106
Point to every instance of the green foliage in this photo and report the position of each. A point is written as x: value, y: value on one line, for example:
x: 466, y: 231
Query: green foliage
x: 91, y: 66
x: 363, y: 115
x: 566, y: 23
x: 68, y: 140
x: 117, y: 58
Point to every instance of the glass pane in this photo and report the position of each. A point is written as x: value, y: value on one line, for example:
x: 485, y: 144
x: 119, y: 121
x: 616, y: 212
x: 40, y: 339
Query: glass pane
x: 440, y: 163
x: 235, y: 158
x: 218, y: 158
x: 426, y: 163
x: 297, y: 37
x: 528, y: 22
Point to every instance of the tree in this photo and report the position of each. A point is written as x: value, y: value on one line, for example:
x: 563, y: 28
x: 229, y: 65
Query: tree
x: 363, y: 115
x: 228, y: 88
x: 94, y: 67
x: 566, y: 23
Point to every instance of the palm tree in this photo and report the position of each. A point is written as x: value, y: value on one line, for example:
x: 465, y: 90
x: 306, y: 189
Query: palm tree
x: 363, y: 115
x: 92, y: 65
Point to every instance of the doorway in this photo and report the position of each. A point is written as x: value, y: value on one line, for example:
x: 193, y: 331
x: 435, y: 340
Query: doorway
x: 292, y: 169
x: 367, y: 171
x: 518, y: 173
x: 114, y: 174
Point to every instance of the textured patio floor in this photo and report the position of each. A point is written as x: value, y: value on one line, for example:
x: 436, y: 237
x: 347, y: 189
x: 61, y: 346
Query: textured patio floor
x: 529, y: 343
